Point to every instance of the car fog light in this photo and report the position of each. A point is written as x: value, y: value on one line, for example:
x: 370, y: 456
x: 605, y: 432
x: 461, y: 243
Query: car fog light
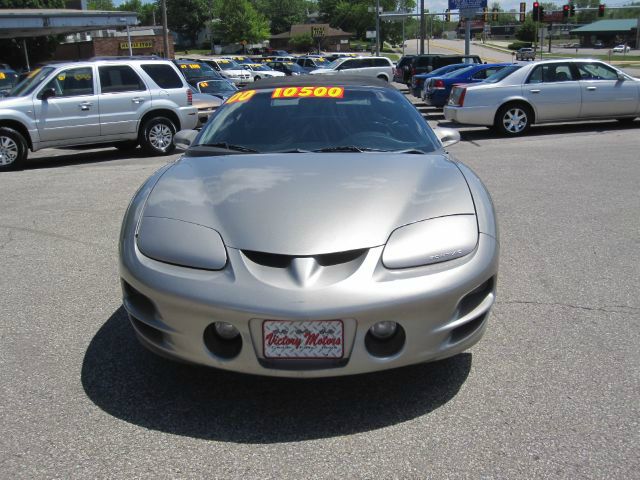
x: 382, y: 330
x: 226, y: 330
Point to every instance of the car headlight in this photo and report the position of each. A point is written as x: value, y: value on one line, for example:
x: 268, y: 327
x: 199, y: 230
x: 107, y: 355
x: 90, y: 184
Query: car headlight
x: 181, y: 243
x: 431, y: 241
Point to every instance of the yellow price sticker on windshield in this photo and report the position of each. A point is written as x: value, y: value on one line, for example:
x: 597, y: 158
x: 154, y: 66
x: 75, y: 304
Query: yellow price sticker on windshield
x: 241, y: 96
x: 82, y: 76
x: 304, y: 92
x: 62, y: 76
x: 2, y: 76
x: 204, y: 84
x: 194, y: 66
x: 183, y: 66
x: 224, y: 61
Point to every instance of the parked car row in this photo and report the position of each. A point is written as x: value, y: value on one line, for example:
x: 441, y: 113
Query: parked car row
x: 411, y: 65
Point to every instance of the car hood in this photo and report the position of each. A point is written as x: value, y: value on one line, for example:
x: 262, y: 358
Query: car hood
x: 309, y: 203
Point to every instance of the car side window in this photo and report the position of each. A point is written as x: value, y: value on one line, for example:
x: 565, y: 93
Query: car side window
x: 72, y: 82
x: 347, y: 65
x: 119, y: 78
x: 164, y: 76
x: 596, y: 71
x: 553, y: 72
x: 380, y: 62
x: 481, y: 75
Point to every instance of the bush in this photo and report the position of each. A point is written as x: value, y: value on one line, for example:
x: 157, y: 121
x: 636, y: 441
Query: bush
x: 519, y: 45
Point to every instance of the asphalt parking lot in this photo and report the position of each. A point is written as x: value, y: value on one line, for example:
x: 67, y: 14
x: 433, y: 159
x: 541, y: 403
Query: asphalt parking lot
x: 550, y: 392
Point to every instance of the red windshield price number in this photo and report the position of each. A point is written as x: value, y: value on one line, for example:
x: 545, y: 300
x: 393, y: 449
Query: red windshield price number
x: 306, y: 92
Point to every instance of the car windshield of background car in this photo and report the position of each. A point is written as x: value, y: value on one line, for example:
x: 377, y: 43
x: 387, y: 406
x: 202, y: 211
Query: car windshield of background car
x: 455, y: 73
x: 7, y: 79
x: 504, y: 73
x: 229, y: 65
x: 359, y: 117
x: 197, y: 70
x: 216, y: 86
x: 29, y: 84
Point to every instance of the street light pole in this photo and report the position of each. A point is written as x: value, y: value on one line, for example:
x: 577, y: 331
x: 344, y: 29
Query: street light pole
x: 129, y: 41
x: 165, y: 29
x: 422, y: 27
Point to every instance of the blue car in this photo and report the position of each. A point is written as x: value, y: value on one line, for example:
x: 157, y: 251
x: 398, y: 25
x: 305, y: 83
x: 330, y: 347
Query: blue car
x: 417, y: 81
x: 437, y: 89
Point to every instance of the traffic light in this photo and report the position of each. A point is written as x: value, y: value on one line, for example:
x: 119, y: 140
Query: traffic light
x: 536, y: 11
x: 601, y: 10
x: 523, y: 12
x: 565, y: 11
x: 541, y: 19
x: 447, y: 15
x: 495, y: 15
x: 485, y: 14
x: 572, y: 10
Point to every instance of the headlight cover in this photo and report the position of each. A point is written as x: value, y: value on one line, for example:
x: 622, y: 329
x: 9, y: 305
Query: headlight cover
x: 431, y: 241
x: 181, y: 243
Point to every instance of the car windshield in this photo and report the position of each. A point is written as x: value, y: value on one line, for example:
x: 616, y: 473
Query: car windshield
x: 294, y: 119
x: 194, y: 71
x: 216, y: 86
x: 446, y: 69
x: 334, y: 64
x: 261, y: 68
x: 294, y: 67
x: 7, y: 80
x: 228, y: 65
x: 460, y: 71
x: 33, y: 81
x: 503, y: 73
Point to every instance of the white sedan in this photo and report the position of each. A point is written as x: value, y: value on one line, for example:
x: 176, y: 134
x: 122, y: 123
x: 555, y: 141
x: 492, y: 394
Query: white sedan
x: 547, y: 91
x: 259, y: 70
x: 621, y: 49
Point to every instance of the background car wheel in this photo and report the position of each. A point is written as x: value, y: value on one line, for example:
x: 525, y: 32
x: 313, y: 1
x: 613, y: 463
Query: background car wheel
x: 257, y: 78
x: 626, y: 120
x: 126, y: 146
x: 13, y: 149
x: 157, y: 136
x: 382, y: 77
x: 513, y: 119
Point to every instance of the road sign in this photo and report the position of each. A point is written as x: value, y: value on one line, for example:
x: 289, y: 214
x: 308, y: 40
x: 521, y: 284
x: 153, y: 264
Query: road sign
x: 467, y: 4
x: 317, y: 32
x: 371, y: 34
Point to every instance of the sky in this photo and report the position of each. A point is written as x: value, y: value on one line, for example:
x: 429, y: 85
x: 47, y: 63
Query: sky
x: 442, y: 5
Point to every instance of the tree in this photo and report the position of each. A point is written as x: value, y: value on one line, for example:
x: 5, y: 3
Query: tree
x: 302, y: 43
x: 106, y: 5
x: 144, y: 10
x: 239, y: 21
x: 527, y: 31
x: 188, y: 17
x: 283, y: 13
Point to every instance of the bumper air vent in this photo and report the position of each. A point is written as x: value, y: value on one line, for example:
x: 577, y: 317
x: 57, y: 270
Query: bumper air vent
x: 284, y: 261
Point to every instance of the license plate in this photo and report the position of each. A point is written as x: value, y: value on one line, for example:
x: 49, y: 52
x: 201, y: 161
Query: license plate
x: 314, y: 339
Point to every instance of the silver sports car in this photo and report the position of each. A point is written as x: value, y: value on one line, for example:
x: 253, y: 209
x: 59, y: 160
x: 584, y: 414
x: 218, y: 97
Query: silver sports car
x: 314, y: 227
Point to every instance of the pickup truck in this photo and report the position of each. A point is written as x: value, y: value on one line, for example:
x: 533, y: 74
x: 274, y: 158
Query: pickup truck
x: 526, y: 54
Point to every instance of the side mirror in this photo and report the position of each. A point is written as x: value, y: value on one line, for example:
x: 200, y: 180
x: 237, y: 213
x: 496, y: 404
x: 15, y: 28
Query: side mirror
x: 47, y: 93
x: 447, y: 136
x: 621, y: 76
x: 184, y: 138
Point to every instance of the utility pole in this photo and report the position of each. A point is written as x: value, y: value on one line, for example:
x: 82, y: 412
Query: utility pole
x: 377, y: 28
x: 165, y: 29
x: 422, y: 27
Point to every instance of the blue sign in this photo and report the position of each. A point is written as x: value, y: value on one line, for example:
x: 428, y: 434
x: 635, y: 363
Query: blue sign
x: 467, y: 4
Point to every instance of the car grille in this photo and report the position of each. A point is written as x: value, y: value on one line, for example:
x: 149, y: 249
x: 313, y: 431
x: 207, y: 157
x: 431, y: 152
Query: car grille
x: 284, y: 261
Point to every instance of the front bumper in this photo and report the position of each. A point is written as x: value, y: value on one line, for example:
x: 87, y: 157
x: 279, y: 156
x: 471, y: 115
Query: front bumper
x: 170, y: 307
x: 470, y: 115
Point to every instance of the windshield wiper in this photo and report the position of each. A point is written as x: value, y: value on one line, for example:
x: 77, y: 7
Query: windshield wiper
x: 410, y: 150
x: 228, y: 146
x: 349, y: 148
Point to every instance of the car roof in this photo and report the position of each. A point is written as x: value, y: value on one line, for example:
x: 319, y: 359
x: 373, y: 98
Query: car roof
x: 322, y: 81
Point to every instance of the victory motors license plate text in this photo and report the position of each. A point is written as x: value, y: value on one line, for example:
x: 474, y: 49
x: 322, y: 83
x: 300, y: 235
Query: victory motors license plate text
x: 303, y: 340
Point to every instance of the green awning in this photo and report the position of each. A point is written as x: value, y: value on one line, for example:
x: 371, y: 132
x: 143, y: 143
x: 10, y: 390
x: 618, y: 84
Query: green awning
x: 609, y: 26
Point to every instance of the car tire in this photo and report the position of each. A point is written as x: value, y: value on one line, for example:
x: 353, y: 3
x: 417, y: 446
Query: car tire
x: 126, y: 146
x: 513, y: 119
x: 156, y: 136
x: 383, y: 77
x: 13, y: 149
x: 256, y: 78
x: 626, y: 120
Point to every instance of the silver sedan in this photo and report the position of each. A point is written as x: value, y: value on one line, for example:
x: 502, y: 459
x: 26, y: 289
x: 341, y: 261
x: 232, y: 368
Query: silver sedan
x: 315, y: 227
x: 544, y: 92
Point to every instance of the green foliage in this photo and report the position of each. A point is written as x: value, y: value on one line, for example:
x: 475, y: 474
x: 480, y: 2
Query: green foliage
x: 302, y: 43
x: 527, y: 31
x: 283, y: 13
x: 188, y: 17
x: 32, y: 3
x: 518, y: 45
x: 106, y: 5
x: 144, y: 10
x: 240, y: 21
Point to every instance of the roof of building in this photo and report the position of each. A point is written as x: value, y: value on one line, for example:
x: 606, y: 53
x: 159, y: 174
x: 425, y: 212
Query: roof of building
x: 305, y: 28
x: 623, y: 25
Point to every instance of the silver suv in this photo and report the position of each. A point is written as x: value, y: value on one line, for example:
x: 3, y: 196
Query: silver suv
x: 123, y: 102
